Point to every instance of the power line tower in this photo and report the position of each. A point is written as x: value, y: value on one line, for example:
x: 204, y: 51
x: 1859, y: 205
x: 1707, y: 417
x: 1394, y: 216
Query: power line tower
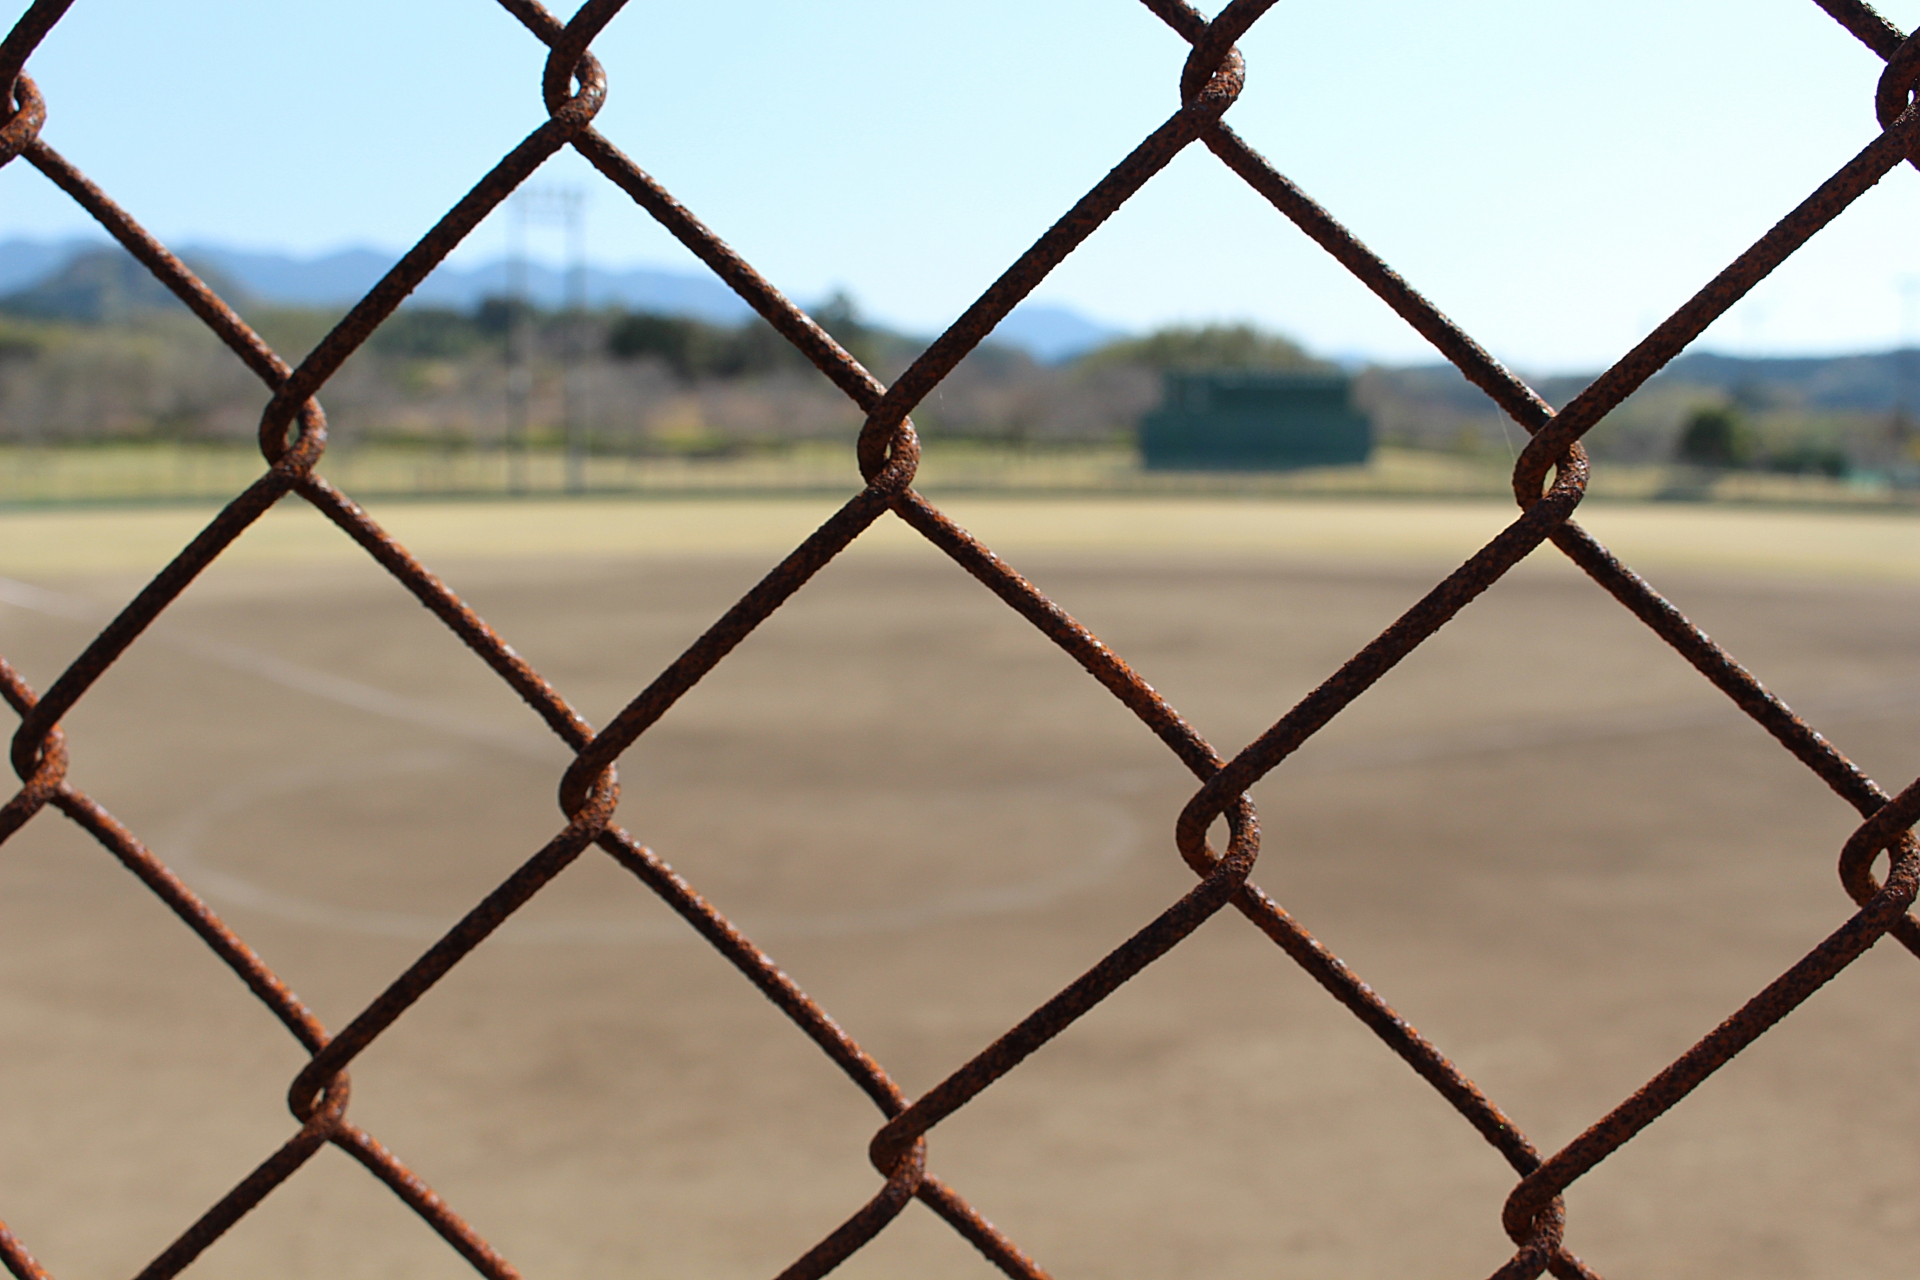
x: 1907, y: 369
x: 548, y: 206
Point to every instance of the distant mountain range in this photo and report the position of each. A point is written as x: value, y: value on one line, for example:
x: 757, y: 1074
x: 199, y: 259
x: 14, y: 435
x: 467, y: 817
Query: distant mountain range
x: 1876, y: 382
x: 93, y: 280
x: 86, y: 279
x: 1873, y: 383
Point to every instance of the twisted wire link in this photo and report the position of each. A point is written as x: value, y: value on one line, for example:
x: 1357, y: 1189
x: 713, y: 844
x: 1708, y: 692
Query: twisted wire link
x: 1550, y: 478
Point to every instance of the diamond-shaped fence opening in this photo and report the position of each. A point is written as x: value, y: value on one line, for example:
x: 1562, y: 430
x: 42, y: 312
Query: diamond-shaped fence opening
x: 1880, y: 863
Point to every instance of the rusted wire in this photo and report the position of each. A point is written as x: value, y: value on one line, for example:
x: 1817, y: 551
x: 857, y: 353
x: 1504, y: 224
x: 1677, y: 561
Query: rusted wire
x: 1550, y: 479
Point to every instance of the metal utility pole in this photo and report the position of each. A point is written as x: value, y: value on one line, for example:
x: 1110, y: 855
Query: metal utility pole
x: 566, y: 207
x: 519, y: 338
x: 576, y: 339
x: 1909, y: 362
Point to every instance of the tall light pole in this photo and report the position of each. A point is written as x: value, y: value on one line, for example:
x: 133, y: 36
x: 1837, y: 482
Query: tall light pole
x: 1908, y: 358
x: 519, y: 338
x: 565, y: 207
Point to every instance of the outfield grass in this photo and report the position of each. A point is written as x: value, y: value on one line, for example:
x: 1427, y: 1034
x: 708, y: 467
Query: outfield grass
x: 163, y: 472
x: 1835, y: 544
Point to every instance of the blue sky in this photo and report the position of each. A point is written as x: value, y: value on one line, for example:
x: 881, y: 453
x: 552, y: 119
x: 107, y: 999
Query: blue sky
x: 1556, y: 175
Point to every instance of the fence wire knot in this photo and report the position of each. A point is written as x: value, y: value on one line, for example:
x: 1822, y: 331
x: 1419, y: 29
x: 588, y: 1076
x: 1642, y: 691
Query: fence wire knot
x: 1894, y: 95
x: 23, y: 126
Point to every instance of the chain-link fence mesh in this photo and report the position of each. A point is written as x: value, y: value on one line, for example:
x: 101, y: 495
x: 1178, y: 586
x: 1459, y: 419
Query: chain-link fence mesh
x: 1549, y: 480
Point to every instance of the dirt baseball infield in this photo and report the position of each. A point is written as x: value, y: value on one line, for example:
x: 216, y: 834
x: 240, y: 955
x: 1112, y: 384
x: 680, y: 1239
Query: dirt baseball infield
x: 1544, y: 839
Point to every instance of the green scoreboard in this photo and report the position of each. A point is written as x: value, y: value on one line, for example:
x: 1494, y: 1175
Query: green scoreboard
x: 1224, y: 420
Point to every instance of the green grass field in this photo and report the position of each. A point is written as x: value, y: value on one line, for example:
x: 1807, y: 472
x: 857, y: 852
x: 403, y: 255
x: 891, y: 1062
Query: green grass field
x: 136, y: 473
x: 1817, y: 543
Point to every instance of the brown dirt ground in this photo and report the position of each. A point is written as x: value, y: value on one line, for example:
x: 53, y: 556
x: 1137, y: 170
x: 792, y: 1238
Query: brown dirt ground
x: 1544, y: 839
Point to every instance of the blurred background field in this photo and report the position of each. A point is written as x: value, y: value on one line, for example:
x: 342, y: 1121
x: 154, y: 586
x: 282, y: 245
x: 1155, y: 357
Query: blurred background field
x: 110, y: 392
x: 928, y: 813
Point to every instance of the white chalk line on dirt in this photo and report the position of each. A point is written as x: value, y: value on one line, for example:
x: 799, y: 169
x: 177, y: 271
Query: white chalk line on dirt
x: 1121, y: 837
x: 1862, y: 704
x: 1118, y: 845
x: 180, y: 846
x: 290, y: 675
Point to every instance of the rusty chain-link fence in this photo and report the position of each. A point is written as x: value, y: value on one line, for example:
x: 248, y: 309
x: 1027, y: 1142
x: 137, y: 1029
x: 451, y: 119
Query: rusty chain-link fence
x: 1549, y: 479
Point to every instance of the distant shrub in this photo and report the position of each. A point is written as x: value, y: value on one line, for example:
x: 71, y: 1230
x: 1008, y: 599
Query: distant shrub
x: 670, y: 339
x: 1715, y: 437
x: 1809, y: 459
x: 429, y: 332
x: 694, y: 349
x: 19, y: 343
x: 1214, y: 346
x: 496, y: 316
